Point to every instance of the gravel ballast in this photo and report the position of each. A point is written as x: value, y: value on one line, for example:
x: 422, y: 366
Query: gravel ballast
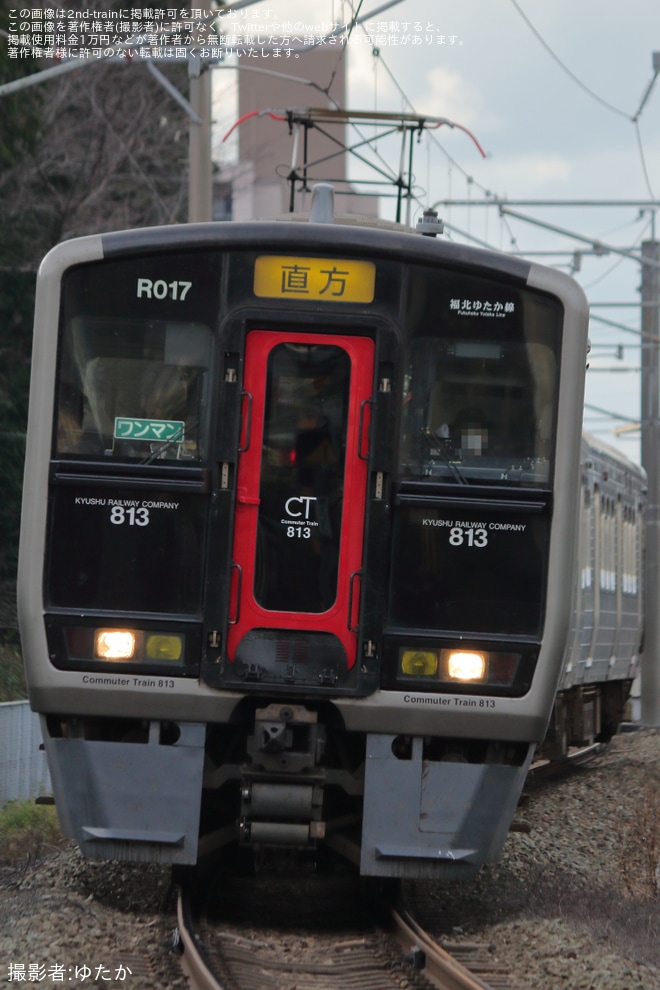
x: 572, y: 905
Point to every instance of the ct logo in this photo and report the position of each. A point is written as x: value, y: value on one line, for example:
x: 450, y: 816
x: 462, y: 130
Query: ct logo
x: 301, y: 503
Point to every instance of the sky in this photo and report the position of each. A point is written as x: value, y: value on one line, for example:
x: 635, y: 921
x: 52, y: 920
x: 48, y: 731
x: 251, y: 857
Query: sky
x: 549, y: 90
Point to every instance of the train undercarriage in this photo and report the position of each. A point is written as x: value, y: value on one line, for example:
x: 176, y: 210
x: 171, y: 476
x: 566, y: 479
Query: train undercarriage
x: 582, y: 716
x: 289, y: 775
x: 284, y: 775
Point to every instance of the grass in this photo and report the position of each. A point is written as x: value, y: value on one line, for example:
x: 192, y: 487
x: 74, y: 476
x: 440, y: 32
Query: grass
x: 12, y: 676
x: 25, y: 829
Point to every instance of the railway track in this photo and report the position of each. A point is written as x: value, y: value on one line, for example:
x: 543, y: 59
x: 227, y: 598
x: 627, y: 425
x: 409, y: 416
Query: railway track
x: 258, y: 939
x: 279, y: 931
x: 545, y: 769
x: 316, y: 932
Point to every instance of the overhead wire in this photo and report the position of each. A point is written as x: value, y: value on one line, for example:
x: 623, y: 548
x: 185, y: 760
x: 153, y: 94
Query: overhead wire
x: 432, y: 137
x: 620, y: 260
x: 606, y: 412
x: 643, y: 158
x: 471, y: 180
x: 564, y: 67
x: 326, y: 89
x: 633, y: 118
x: 403, y: 95
x: 344, y: 47
x: 452, y: 228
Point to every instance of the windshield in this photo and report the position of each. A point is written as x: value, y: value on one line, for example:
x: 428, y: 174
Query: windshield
x: 133, y: 389
x: 479, y: 394
x: 478, y: 410
x: 135, y: 356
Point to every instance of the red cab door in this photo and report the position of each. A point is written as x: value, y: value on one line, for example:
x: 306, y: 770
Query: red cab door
x: 301, y: 496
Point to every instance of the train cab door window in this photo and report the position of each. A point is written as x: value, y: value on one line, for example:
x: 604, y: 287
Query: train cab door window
x: 302, y: 478
x: 297, y: 547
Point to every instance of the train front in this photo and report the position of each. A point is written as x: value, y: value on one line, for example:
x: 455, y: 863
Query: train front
x: 297, y: 541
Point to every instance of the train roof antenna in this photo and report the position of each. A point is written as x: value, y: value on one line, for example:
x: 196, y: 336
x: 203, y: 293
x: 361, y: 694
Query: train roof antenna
x: 323, y: 203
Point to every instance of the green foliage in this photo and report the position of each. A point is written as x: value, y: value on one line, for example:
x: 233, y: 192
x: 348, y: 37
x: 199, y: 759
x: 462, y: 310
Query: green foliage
x: 25, y: 828
x: 16, y: 306
x: 12, y: 675
x: 20, y: 118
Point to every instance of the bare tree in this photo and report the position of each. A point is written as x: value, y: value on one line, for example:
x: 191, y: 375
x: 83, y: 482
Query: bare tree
x: 112, y: 153
x: 101, y: 148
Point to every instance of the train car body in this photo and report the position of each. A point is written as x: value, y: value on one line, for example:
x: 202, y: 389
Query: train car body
x: 297, y: 548
x: 603, y: 653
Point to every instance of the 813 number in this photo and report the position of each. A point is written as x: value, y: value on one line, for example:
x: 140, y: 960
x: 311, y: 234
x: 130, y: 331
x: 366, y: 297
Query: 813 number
x: 468, y: 537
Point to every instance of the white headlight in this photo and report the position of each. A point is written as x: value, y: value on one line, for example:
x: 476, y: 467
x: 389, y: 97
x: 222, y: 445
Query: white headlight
x: 465, y: 665
x: 114, y: 644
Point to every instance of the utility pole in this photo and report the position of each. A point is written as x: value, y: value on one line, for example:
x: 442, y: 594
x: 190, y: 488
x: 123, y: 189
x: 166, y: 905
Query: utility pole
x: 650, y: 417
x: 200, y: 177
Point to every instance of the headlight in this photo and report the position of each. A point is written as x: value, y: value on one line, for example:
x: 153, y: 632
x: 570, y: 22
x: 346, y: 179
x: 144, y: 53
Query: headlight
x: 129, y: 646
x: 459, y: 666
x: 465, y: 665
x: 114, y: 644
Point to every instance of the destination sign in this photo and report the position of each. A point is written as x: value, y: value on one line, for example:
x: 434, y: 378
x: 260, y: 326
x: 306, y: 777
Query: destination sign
x: 321, y: 279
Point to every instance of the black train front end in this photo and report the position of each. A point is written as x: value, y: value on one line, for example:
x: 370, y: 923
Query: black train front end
x: 297, y: 549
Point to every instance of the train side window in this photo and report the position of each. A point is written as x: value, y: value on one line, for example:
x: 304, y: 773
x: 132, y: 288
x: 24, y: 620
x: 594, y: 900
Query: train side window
x: 133, y: 389
x: 630, y: 551
x: 608, y: 538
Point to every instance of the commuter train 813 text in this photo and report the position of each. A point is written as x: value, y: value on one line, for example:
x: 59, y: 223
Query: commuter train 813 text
x: 299, y: 543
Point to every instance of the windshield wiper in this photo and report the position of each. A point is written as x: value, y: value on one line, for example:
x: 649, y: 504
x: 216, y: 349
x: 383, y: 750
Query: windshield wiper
x: 435, y: 447
x: 178, y: 437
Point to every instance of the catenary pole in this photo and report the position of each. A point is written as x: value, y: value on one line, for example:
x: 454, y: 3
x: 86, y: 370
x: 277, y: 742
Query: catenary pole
x: 650, y: 417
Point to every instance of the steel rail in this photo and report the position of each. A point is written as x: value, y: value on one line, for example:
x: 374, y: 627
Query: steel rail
x: 440, y: 967
x: 552, y: 768
x: 194, y: 961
